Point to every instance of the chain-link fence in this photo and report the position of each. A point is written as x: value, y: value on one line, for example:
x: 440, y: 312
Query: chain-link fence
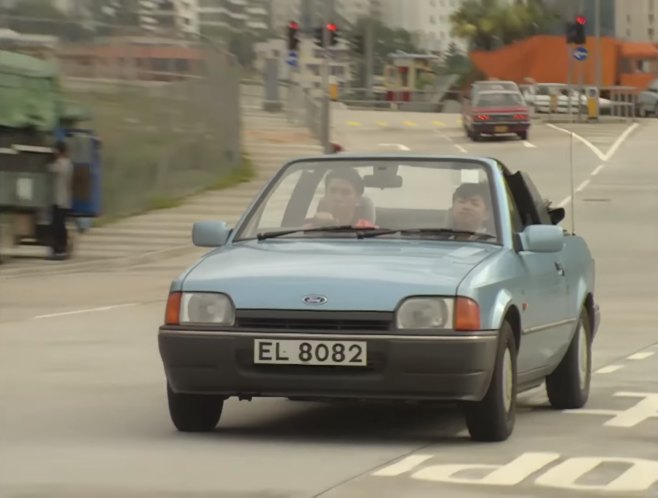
x: 166, y: 109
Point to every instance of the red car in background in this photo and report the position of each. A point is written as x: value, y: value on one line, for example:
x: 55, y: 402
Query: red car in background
x: 497, y: 112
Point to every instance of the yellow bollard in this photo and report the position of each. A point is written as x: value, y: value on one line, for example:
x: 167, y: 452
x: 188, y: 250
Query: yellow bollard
x: 333, y: 91
x: 592, y: 104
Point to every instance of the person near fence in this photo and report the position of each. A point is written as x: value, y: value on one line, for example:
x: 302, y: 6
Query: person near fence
x: 62, y: 170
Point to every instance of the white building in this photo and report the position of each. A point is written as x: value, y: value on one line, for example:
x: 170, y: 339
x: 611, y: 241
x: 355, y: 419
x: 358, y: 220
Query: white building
x: 636, y: 20
x: 234, y: 15
x: 309, y: 70
x: 428, y: 20
x: 311, y: 13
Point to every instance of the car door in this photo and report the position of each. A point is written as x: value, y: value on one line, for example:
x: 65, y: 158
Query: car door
x: 543, y: 285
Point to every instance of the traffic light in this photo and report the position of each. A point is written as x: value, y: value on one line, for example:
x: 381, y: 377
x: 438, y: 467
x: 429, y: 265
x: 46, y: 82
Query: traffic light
x: 293, y: 30
x: 333, y: 35
x: 576, y: 31
x: 580, y: 37
x: 358, y: 44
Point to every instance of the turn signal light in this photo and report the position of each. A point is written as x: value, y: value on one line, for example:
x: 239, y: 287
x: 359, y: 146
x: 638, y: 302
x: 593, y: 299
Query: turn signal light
x: 467, y: 314
x: 172, y: 313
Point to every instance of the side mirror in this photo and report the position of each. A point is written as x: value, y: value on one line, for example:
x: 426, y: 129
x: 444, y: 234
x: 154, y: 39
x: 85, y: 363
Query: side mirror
x: 542, y: 238
x: 210, y: 233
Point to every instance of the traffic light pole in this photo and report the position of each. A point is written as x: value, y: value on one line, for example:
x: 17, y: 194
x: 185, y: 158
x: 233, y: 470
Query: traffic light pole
x: 599, y: 55
x: 326, y: 43
x: 369, y: 46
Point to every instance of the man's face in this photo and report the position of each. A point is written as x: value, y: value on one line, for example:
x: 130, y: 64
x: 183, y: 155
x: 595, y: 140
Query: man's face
x: 342, y: 197
x: 470, y: 213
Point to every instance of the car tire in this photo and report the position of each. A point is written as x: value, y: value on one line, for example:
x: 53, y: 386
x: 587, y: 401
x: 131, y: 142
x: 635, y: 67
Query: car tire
x: 194, y: 412
x: 568, y: 386
x: 523, y: 135
x: 492, y: 419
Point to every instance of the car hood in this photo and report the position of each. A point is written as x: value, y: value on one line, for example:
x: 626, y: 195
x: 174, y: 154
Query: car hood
x: 352, y: 275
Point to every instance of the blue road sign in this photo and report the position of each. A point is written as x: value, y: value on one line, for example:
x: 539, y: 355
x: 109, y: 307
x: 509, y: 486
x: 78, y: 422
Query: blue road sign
x: 580, y: 53
x: 292, y: 58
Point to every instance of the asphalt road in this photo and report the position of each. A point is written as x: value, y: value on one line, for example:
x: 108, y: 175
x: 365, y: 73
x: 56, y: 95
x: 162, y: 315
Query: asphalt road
x: 83, y: 408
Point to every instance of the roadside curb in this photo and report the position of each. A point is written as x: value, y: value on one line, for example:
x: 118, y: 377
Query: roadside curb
x: 101, y: 264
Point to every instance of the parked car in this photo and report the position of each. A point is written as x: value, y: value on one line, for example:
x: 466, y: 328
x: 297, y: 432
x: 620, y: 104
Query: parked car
x: 387, y: 277
x: 496, y: 112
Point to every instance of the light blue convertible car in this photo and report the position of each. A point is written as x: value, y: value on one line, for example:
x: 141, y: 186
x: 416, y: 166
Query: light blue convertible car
x: 390, y: 277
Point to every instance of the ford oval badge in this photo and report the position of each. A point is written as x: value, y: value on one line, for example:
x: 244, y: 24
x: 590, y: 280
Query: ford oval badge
x: 314, y: 299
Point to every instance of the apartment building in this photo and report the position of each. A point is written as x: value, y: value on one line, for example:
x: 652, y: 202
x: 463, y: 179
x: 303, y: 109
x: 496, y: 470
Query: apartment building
x: 312, y: 13
x: 427, y: 20
x: 637, y: 20
x: 234, y: 15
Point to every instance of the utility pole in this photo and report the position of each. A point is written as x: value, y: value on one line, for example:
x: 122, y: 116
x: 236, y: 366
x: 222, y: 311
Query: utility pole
x: 369, y: 48
x: 326, y: 43
x: 599, y: 55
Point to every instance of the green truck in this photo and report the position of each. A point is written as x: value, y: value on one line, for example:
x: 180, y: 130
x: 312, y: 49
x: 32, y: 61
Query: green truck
x: 33, y: 116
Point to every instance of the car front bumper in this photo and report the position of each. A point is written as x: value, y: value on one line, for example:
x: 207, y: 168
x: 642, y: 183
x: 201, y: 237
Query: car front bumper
x: 448, y: 367
x: 500, y: 128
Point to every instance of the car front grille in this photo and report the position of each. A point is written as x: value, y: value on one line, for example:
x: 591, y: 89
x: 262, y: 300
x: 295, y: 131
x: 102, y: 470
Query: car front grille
x: 313, y: 320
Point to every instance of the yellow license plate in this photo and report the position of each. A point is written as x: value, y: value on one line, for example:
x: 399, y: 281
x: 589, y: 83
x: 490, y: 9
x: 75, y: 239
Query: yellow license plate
x: 500, y: 129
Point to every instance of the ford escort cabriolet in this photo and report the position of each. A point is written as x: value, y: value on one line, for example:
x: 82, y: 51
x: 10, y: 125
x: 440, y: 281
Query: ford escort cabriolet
x: 385, y: 277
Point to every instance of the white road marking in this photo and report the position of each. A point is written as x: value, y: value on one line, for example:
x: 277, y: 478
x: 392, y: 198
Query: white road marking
x: 641, y: 356
x: 529, y: 145
x: 404, y: 465
x: 642, y: 410
x: 446, y: 137
x: 582, y: 186
x: 399, y: 146
x: 88, y: 310
x: 604, y: 157
x: 639, y: 475
x: 609, y: 369
x: 509, y: 474
x: 597, y: 170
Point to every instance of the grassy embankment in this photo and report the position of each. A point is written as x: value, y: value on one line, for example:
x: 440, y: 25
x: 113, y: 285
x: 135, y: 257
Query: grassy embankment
x: 158, y: 151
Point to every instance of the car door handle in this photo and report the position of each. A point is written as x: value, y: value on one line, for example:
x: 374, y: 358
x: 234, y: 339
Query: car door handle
x: 559, y: 268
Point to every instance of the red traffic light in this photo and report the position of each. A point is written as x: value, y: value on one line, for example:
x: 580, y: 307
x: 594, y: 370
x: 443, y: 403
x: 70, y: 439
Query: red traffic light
x: 293, y: 25
x: 332, y: 27
x: 581, y: 19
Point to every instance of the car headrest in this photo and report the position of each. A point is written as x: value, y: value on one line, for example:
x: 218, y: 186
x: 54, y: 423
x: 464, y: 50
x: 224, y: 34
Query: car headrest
x: 365, y: 210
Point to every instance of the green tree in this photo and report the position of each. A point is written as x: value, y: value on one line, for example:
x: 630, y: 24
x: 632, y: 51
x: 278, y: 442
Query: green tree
x: 488, y: 24
x: 386, y: 41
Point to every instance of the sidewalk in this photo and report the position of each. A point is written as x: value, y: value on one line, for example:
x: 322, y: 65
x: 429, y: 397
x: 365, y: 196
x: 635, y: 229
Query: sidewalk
x: 268, y: 139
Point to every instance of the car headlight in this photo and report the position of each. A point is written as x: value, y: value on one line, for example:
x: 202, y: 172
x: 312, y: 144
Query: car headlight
x: 206, y: 307
x: 425, y: 313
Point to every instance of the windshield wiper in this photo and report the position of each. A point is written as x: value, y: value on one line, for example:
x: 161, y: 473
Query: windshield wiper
x: 336, y: 228
x: 431, y: 231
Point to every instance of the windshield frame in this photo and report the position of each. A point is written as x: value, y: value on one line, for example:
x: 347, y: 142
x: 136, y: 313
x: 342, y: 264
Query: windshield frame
x: 490, y: 168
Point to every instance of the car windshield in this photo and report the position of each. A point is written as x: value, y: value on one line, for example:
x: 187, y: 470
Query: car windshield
x: 334, y: 198
x: 498, y: 99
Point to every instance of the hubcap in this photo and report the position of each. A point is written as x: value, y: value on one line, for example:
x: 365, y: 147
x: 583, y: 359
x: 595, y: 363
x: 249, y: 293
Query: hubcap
x: 508, y: 381
x: 582, y: 356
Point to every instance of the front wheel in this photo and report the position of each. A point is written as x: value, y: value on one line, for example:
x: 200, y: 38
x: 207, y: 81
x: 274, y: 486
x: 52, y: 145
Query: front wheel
x: 194, y: 412
x: 568, y: 386
x: 492, y: 418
